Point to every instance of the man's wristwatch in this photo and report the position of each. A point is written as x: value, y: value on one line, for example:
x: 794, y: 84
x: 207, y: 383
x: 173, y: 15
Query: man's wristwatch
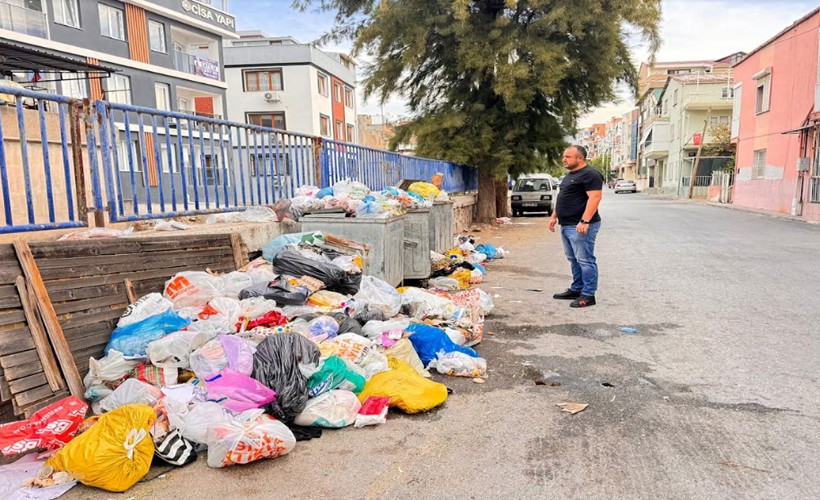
x: 584, y: 222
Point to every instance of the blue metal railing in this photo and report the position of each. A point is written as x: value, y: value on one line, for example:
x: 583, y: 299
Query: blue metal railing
x: 144, y: 163
x: 39, y: 190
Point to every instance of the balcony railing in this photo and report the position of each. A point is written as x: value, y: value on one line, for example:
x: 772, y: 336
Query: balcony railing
x: 23, y: 20
x: 196, y: 65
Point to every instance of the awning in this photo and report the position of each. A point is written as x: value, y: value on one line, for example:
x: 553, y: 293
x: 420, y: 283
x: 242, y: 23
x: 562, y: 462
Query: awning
x: 800, y: 130
x: 21, y: 59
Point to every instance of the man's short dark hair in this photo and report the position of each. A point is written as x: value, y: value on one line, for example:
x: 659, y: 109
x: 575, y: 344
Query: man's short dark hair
x: 581, y: 150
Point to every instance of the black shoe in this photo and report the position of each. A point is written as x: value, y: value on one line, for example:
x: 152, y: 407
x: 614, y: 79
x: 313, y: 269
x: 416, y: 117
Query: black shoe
x: 570, y: 294
x: 583, y: 301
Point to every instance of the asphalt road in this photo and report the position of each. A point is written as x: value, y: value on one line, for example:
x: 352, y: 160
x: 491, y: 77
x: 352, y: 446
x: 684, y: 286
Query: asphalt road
x: 716, y: 396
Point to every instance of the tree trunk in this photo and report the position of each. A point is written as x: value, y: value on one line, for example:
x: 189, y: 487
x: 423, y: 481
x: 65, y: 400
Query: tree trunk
x: 502, y: 200
x: 485, y: 205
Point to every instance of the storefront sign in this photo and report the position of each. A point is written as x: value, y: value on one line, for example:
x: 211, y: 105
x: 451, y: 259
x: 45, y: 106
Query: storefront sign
x: 209, y: 14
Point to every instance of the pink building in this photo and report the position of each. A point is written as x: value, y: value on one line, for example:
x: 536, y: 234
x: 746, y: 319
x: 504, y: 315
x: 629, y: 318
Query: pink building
x: 775, y: 122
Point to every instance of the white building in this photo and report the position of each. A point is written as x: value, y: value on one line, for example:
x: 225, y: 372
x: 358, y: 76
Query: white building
x: 281, y: 83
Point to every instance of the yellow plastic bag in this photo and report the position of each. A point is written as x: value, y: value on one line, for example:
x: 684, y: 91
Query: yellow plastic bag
x: 463, y: 276
x: 404, y: 351
x: 114, y: 453
x: 407, y: 390
x: 424, y: 189
x: 328, y: 300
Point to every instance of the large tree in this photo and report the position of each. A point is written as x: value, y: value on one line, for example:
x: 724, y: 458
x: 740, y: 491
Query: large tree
x: 497, y: 84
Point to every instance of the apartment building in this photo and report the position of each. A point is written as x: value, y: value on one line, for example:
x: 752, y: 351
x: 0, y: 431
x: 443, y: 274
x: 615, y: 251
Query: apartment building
x: 776, y: 122
x: 282, y: 83
x: 652, y: 78
x: 625, y: 160
x: 164, y: 54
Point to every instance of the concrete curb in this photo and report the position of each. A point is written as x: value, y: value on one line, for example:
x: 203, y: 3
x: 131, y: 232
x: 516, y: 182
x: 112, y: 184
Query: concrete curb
x: 730, y: 206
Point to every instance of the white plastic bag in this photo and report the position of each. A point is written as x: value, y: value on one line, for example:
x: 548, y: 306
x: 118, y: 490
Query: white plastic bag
x: 111, y: 368
x: 248, y: 437
x: 234, y: 282
x: 459, y: 364
x: 425, y: 304
x: 456, y: 336
x: 374, y: 329
x: 225, y: 350
x: 194, y: 421
x: 172, y: 350
x: 445, y: 283
x: 132, y: 391
x: 349, y: 346
x: 193, y: 289
x: 147, y: 306
x: 332, y: 409
x: 376, y: 296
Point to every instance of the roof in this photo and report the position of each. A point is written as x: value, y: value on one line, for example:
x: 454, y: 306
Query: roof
x: 701, y: 79
x: 18, y: 58
x: 781, y: 33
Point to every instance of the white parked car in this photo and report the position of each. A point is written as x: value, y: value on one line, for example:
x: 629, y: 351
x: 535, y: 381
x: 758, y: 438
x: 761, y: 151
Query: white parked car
x: 625, y: 186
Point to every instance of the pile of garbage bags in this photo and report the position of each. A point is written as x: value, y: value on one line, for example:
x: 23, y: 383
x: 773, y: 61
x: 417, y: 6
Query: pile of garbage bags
x: 241, y: 366
x: 357, y: 200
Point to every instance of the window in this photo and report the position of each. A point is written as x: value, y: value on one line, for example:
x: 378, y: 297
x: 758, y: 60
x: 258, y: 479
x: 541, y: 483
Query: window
x: 111, y: 22
x: 350, y: 133
x: 263, y: 81
x: 675, y: 98
x: 348, y: 97
x: 339, y: 132
x: 119, y: 89
x: 322, y: 84
x: 269, y: 166
x: 727, y: 93
x: 213, y: 173
x: 136, y: 161
x: 759, y: 164
x: 156, y: 36
x: 324, y: 125
x: 163, y: 95
x: 163, y: 153
x: 763, y: 92
x: 66, y: 13
x: 75, y: 88
x: 337, y: 92
x: 719, y: 120
x: 271, y: 120
x: 679, y: 72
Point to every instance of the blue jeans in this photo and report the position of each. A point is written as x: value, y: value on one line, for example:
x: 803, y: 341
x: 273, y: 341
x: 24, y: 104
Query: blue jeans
x: 580, y: 251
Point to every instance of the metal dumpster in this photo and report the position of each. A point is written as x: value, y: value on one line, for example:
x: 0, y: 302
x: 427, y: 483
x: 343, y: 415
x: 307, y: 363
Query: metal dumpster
x: 384, y: 237
x: 441, y: 226
x: 441, y: 221
x: 417, y: 237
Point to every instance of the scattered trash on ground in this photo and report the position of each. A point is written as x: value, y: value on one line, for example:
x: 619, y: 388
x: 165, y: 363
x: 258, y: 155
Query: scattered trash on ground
x: 626, y: 329
x: 242, y: 366
x: 572, y: 408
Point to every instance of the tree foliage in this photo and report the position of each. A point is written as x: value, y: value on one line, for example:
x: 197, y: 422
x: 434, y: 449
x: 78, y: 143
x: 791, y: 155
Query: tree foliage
x: 603, y: 164
x: 719, y: 141
x: 497, y: 84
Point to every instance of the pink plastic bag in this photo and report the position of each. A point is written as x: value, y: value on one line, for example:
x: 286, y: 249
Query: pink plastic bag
x: 240, y: 392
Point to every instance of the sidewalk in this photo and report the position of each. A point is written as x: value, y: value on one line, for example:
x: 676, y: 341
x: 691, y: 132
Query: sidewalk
x: 732, y: 206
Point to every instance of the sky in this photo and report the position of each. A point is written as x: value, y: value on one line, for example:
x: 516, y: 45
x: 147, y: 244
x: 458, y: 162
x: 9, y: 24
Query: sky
x: 691, y: 30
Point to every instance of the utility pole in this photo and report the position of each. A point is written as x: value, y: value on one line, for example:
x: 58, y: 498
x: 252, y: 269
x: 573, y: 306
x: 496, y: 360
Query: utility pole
x: 697, y: 156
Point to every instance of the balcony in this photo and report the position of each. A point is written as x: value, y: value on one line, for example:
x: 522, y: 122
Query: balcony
x: 196, y: 65
x: 23, y: 20
x: 656, y: 140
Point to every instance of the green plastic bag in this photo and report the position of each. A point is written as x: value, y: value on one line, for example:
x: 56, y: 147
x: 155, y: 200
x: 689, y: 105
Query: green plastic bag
x: 334, y: 373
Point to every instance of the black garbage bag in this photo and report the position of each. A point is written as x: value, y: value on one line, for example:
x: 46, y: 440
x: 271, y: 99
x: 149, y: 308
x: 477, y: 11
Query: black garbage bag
x: 276, y: 365
x: 335, y: 278
x: 279, y: 290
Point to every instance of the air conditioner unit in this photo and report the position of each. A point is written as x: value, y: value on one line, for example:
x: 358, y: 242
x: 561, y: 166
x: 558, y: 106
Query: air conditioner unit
x: 803, y: 164
x: 273, y: 97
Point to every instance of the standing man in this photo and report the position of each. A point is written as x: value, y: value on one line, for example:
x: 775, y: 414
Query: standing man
x: 577, y: 213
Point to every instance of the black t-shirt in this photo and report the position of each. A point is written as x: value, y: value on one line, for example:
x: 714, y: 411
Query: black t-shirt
x: 572, y: 198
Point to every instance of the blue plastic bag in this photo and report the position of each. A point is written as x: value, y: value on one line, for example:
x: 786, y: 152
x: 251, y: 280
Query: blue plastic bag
x: 487, y: 249
x: 323, y: 193
x: 481, y: 269
x: 428, y: 341
x: 133, y: 339
x: 274, y: 246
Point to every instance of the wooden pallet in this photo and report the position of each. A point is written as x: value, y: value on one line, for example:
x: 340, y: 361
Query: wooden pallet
x: 80, y: 290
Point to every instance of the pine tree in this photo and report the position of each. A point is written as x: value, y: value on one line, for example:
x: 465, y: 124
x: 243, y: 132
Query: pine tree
x: 497, y: 84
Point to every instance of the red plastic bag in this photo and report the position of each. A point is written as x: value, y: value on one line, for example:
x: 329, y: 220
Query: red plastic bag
x: 373, y: 411
x: 272, y: 318
x: 48, y: 429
